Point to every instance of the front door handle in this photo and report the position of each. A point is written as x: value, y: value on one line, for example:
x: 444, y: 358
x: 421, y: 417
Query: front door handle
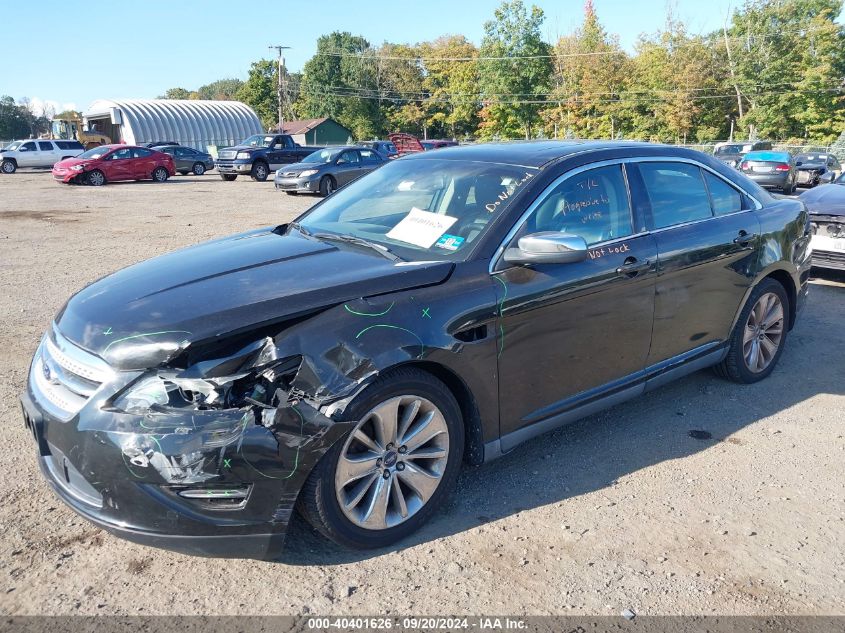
x: 744, y: 238
x: 632, y: 267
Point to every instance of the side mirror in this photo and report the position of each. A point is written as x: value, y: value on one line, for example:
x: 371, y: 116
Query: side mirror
x: 799, y: 163
x: 548, y: 247
x: 341, y: 161
x: 826, y: 178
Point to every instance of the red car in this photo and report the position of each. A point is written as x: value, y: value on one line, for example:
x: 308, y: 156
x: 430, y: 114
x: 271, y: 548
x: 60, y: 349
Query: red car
x: 109, y: 163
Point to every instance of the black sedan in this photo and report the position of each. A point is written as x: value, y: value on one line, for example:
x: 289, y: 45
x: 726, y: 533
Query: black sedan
x: 188, y: 160
x: 826, y: 205
x: 442, y: 309
x: 327, y: 169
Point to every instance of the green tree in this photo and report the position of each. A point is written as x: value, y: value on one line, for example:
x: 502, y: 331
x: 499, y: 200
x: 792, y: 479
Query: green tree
x: 339, y: 81
x: 514, y: 71
x: 790, y: 62
x: 260, y: 91
x: 451, y: 84
x: 220, y: 90
x: 176, y: 93
x: 14, y: 122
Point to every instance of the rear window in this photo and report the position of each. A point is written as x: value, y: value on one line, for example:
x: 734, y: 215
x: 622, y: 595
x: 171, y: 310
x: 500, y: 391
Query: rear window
x: 676, y: 192
x: 769, y: 157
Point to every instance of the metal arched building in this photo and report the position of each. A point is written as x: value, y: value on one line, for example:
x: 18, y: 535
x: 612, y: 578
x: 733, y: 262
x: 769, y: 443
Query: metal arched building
x: 196, y: 124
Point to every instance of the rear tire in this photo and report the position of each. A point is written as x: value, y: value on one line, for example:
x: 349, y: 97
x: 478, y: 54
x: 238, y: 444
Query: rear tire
x: 260, y: 171
x: 327, y: 186
x: 95, y: 178
x: 198, y: 169
x: 788, y: 189
x: 228, y: 177
x: 425, y: 408
x: 8, y: 166
x: 160, y: 174
x: 760, y: 327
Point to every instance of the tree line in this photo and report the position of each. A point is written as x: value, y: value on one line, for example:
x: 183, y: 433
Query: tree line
x: 776, y: 70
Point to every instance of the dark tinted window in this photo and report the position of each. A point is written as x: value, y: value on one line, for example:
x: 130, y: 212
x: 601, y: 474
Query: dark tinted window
x: 28, y: 146
x: 725, y: 199
x: 676, y: 192
x: 593, y: 204
x: 349, y: 156
x: 45, y: 146
x: 140, y: 152
x: 369, y: 156
x: 184, y: 152
x: 69, y: 144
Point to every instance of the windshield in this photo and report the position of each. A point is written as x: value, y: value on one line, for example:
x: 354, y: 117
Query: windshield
x: 13, y: 145
x: 322, y: 156
x: 811, y: 159
x: 258, y: 140
x: 421, y: 210
x: 97, y: 152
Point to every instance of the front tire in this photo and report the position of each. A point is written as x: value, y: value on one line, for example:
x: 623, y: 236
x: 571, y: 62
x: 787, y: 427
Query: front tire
x: 394, y: 469
x: 160, y: 174
x: 96, y: 178
x: 260, y: 171
x: 327, y: 186
x: 759, y: 336
x: 8, y: 166
x: 228, y: 177
x: 198, y: 169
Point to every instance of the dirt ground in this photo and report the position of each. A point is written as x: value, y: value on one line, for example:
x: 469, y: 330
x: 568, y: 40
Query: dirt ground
x: 623, y: 510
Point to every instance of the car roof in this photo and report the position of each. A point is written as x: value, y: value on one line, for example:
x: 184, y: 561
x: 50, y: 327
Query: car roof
x: 525, y: 153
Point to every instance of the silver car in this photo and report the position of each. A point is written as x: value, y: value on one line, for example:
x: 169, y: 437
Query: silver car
x: 327, y: 169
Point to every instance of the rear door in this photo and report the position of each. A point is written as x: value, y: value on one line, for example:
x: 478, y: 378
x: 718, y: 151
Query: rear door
x: 707, y: 235
x: 119, y: 165
x: 143, y: 162
x: 48, y: 154
x: 370, y: 160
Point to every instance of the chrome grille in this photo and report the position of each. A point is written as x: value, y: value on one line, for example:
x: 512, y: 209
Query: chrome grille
x: 64, y: 377
x: 227, y: 154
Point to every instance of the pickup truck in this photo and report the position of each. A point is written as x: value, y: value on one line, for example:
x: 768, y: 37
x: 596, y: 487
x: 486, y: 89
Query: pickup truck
x: 258, y: 154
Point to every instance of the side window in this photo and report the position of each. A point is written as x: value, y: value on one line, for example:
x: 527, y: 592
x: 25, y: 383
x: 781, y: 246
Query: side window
x: 30, y: 147
x: 593, y: 204
x: 724, y: 198
x: 369, y: 156
x: 45, y: 146
x: 676, y: 192
x: 140, y: 152
x: 122, y: 154
x: 350, y: 157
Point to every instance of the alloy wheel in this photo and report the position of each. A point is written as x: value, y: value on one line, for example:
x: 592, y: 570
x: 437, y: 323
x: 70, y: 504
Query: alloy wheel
x: 763, y: 332
x: 199, y: 169
x: 8, y: 167
x: 392, y: 462
x: 96, y: 178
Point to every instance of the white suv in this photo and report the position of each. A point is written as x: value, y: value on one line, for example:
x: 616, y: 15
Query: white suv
x: 37, y: 153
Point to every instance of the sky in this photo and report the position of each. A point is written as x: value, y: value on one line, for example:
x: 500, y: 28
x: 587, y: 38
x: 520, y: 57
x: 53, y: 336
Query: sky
x: 123, y: 50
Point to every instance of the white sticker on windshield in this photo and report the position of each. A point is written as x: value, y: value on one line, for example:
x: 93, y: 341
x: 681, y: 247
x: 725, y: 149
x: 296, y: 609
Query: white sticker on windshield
x: 421, y: 228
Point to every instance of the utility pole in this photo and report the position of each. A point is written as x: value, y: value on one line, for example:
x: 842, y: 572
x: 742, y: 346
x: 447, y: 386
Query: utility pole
x: 281, y: 88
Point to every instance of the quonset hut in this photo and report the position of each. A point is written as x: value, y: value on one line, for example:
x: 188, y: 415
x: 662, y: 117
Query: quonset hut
x: 196, y: 124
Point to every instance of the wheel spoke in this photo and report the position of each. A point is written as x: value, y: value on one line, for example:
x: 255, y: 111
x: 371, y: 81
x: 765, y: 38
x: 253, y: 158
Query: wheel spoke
x: 352, y: 468
x: 367, y: 441
x: 419, y: 481
x: 384, y: 421
x: 430, y: 426
x: 749, y: 334
x: 359, y: 492
x: 768, y: 346
x: 399, y: 499
x: 427, y: 452
x: 408, y: 416
x: 376, y: 513
x: 754, y: 355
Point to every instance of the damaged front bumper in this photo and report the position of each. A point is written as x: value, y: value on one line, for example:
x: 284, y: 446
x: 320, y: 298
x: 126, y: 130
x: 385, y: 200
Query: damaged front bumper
x: 211, y: 482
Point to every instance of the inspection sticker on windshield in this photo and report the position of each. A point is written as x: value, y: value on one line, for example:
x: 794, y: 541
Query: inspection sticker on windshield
x: 421, y: 228
x: 449, y: 242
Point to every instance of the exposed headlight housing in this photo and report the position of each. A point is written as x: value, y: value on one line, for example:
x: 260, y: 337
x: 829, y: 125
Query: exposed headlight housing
x: 77, y: 167
x: 243, y: 156
x: 308, y: 172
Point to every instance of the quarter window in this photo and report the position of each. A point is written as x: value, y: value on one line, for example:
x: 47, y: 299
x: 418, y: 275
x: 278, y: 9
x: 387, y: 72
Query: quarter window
x: 593, y: 204
x: 724, y: 198
x: 676, y: 192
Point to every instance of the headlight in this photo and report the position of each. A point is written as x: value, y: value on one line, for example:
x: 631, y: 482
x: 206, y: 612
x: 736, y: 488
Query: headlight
x: 308, y: 172
x: 243, y: 156
x: 77, y: 167
x: 163, y: 391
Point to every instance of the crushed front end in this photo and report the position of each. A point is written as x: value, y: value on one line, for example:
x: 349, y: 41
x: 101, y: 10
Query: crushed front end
x: 205, y: 458
x: 828, y: 241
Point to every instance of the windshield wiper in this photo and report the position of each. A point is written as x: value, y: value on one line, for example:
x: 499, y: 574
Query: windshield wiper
x: 359, y: 241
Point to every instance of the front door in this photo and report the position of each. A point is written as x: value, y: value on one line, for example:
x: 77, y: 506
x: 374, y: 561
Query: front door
x: 569, y: 333
x: 348, y: 167
x: 707, y: 239
x: 28, y: 154
x: 119, y: 165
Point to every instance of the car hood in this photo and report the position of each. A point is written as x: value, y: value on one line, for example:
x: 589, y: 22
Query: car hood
x: 70, y: 162
x: 825, y: 199
x: 304, y: 166
x: 145, y: 314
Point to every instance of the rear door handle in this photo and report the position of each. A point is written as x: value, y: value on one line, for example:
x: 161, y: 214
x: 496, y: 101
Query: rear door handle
x: 744, y: 238
x: 632, y: 267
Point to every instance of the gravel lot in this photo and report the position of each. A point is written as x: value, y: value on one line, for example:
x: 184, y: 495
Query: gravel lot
x: 622, y: 510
